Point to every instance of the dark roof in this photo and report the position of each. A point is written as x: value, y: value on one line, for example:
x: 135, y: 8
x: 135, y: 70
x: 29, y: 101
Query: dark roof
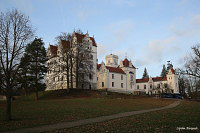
x: 159, y: 79
x: 53, y: 50
x: 154, y: 79
x: 81, y: 36
x: 126, y: 62
x: 115, y: 70
x: 98, y: 66
x: 112, y: 69
x: 173, y: 71
x: 65, y: 44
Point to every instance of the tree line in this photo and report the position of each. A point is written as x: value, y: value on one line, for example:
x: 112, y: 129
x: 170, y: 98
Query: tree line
x: 23, y: 58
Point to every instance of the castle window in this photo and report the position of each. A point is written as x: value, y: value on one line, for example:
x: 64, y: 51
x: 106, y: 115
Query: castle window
x: 121, y: 77
x: 158, y: 86
x: 131, y: 77
x: 97, y: 78
x: 113, y: 84
x: 91, y: 66
x: 138, y: 87
x: 102, y: 84
x: 90, y: 76
x: 91, y: 57
x: 150, y: 86
x: 112, y: 76
x: 145, y: 86
x: 121, y: 85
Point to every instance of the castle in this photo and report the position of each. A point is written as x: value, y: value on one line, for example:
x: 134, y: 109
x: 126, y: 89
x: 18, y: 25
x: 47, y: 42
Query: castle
x: 57, y: 76
x: 110, y: 76
x: 122, y: 78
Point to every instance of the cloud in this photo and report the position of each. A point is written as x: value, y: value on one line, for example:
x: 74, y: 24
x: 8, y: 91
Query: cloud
x: 196, y: 20
x: 154, y: 51
x: 84, y: 14
x: 23, y: 5
x: 119, y: 31
x: 185, y: 26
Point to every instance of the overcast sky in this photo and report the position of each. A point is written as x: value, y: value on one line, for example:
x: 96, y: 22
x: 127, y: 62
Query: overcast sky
x: 149, y: 32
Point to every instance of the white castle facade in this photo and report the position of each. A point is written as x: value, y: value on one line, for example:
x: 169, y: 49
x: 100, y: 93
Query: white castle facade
x: 110, y: 75
x: 56, y: 76
x: 122, y: 78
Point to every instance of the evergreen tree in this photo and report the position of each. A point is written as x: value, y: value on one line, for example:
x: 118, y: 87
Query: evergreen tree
x: 34, y: 59
x: 164, y: 71
x: 145, y: 74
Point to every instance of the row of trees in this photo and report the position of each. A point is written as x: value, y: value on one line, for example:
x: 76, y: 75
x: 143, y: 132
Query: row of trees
x: 21, y: 62
x: 189, y: 75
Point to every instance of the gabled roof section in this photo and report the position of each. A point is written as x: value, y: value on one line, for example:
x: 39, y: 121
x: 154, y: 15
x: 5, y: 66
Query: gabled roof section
x: 155, y: 79
x: 81, y: 36
x: 65, y: 44
x: 115, y: 70
x: 159, y: 79
x: 98, y: 66
x: 142, y: 80
x: 53, y: 50
x: 172, y: 70
x: 126, y: 62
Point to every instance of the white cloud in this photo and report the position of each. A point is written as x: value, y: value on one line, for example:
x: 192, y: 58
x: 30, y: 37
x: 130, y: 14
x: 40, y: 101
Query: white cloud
x: 23, y: 5
x: 185, y: 27
x: 119, y: 31
x: 196, y: 20
x: 84, y: 14
x: 155, y: 50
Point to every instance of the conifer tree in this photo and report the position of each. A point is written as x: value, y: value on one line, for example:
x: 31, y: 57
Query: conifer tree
x: 164, y: 71
x: 145, y: 74
x: 35, y: 56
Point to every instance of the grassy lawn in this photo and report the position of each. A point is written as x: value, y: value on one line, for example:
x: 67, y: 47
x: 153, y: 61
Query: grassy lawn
x: 185, y: 115
x: 34, y: 113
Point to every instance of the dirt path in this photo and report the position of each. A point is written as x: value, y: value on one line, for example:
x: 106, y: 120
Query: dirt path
x: 89, y: 121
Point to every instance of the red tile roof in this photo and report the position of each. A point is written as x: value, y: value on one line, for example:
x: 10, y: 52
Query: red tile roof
x: 159, y: 79
x: 98, y: 66
x: 65, y: 44
x: 115, y: 70
x: 142, y: 80
x: 53, y: 50
x: 81, y: 36
x: 112, y: 69
x: 126, y: 62
x: 154, y: 79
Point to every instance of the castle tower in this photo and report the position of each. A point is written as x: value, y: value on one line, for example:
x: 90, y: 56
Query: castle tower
x: 112, y: 60
x: 172, y: 80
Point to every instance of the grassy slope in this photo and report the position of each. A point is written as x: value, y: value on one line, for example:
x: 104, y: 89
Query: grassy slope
x: 29, y: 113
x: 185, y: 115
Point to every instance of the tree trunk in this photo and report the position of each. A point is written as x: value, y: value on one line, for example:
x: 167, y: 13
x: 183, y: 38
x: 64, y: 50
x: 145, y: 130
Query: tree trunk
x: 67, y: 72
x: 8, y: 107
x: 77, y: 69
x: 36, y: 94
x: 71, y: 72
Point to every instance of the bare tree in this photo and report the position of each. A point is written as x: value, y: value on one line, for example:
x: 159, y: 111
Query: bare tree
x: 192, y: 66
x: 15, y: 32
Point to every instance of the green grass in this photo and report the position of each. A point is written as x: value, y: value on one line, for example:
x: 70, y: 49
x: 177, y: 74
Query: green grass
x: 29, y: 113
x: 187, y: 114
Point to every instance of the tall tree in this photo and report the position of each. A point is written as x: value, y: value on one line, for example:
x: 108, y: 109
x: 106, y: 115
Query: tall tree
x: 66, y: 56
x: 145, y: 74
x: 192, y: 66
x: 35, y: 54
x: 15, y: 32
x: 25, y: 79
x: 164, y: 71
